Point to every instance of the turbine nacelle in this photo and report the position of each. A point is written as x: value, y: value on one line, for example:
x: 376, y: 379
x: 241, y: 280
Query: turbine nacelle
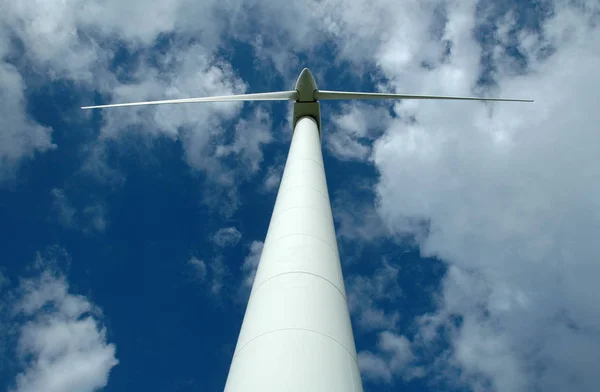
x: 306, y: 86
x: 306, y: 104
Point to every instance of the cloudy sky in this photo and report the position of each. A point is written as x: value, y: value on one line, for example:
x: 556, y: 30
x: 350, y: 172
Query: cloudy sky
x: 468, y: 232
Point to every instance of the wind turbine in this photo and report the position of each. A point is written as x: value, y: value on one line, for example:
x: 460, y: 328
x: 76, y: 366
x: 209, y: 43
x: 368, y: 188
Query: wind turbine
x: 296, y: 335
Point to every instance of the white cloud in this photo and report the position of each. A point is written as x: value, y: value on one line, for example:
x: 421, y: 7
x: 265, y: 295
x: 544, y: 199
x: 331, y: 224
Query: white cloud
x: 251, y: 262
x: 374, y: 367
x: 199, y: 267
x: 95, y: 164
x: 191, y: 71
x: 78, y: 41
x: 395, y: 359
x: 355, y: 129
x: 212, y: 275
x: 507, y: 192
x: 366, y: 296
x: 219, y: 273
x: 357, y: 215
x: 64, y: 210
x: 250, y: 135
x: 96, y: 214
x: 62, y: 345
x: 91, y: 219
x: 227, y: 236
x: 75, y: 39
x: 20, y: 137
x: 273, y: 177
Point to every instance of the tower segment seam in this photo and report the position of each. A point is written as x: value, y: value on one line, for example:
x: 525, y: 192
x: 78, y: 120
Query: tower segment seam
x: 302, y: 272
x: 294, y: 329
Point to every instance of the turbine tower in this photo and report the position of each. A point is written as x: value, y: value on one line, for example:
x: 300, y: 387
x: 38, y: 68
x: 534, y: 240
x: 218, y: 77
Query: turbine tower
x: 296, y: 335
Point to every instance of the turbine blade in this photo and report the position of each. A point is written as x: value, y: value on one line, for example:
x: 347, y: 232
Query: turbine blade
x: 333, y: 95
x: 274, y: 96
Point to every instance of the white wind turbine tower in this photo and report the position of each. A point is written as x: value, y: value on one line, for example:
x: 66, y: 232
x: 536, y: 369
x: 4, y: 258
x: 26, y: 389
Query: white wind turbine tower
x: 296, y: 335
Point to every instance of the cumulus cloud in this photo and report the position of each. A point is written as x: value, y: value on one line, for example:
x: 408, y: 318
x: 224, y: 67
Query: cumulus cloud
x: 356, y: 214
x: 394, y: 359
x: 506, y: 194
x: 191, y: 71
x: 273, y: 178
x: 63, y: 208
x: 367, y: 296
x: 90, y: 219
x: 251, y: 262
x: 82, y: 42
x: 220, y: 271
x: 355, y: 129
x: 250, y: 135
x: 227, y: 236
x: 20, y: 137
x: 199, y: 267
x: 96, y: 214
x: 62, y: 345
x: 212, y: 275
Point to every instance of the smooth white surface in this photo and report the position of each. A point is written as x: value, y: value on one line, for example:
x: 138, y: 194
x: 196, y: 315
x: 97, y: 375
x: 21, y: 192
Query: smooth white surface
x: 296, y: 335
x: 333, y: 95
x: 306, y: 86
x: 275, y: 96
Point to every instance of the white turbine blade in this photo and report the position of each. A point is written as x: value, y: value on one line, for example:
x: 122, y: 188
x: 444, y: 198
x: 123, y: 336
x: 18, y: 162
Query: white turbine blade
x: 274, y: 96
x: 332, y: 95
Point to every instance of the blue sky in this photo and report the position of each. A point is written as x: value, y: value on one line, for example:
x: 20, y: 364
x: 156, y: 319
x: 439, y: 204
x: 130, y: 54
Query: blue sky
x: 466, y: 230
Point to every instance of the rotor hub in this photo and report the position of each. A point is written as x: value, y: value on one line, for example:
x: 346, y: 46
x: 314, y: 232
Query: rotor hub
x: 307, y: 105
x: 306, y: 86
